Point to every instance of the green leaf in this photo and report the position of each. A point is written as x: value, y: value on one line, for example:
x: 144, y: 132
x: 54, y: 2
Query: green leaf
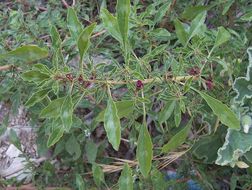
x: 84, y: 40
x: 34, y: 76
x: 54, y: 137
x: 66, y: 113
x: 177, y: 139
x: 166, y: 112
x: 80, y: 183
x: 6, y: 84
x: 224, y: 113
x: 91, y: 151
x: 247, y: 16
x: 14, y: 139
x: 37, y: 97
x: 222, y: 36
x: 73, y: 23
x: 53, y: 109
x: 55, y: 36
x: 126, y: 179
x: 191, y: 12
x: 123, y: 11
x: 196, y: 24
x: 112, y: 124
x: 177, y: 114
x: 180, y: 32
x: 41, y: 68
x: 227, y: 6
x: 236, y: 144
x: 212, y: 142
x: 161, y: 12
x: 97, y: 174
x: 158, y: 180
x: 73, y: 147
x: 124, y: 109
x: 242, y: 85
x: 26, y: 53
x: 144, y: 151
x: 111, y: 25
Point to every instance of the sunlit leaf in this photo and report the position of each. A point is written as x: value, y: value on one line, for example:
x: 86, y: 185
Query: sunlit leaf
x: 66, y: 113
x: 73, y: 23
x: 111, y: 25
x: 123, y: 11
x: 84, y: 40
x: 224, y: 113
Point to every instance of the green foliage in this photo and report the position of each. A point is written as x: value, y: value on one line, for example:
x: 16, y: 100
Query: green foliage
x: 173, y: 79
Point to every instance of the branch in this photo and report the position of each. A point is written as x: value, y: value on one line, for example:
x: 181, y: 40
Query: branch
x: 145, y: 81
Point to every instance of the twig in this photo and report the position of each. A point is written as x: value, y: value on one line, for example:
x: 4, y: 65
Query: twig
x: 98, y: 33
x: 6, y: 67
x: 145, y: 81
x: 65, y: 3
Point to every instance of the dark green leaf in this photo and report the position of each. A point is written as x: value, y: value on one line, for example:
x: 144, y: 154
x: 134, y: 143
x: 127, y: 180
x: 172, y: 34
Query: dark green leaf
x: 192, y: 11
x: 180, y: 32
x: 166, y: 112
x: 53, y: 109
x: 112, y: 124
x: 91, y: 151
x: 66, y: 114
x: 124, y: 109
x: 56, y: 41
x: 126, y: 179
x: 37, y: 97
x: 97, y: 174
x: 161, y: 12
x: 177, y: 139
x: 54, y: 137
x: 144, y: 151
x: 26, y: 53
x: 222, y: 36
x: 177, y: 114
x: 80, y: 182
x: 73, y: 147
x: 14, y: 139
x: 34, y: 76
x: 196, y: 24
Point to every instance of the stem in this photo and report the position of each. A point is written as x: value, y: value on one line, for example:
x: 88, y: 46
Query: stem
x: 145, y: 81
x: 144, y: 109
